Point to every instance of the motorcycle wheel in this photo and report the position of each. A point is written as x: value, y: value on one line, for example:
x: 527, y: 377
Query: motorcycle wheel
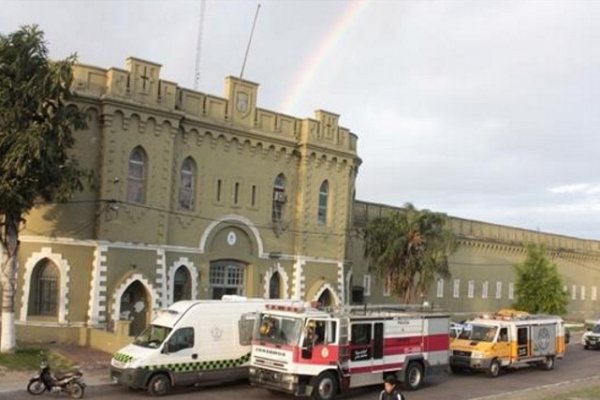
x: 36, y: 387
x: 75, y: 390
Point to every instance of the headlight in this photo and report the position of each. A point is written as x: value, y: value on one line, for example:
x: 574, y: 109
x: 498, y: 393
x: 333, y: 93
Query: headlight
x: 477, y: 354
x: 134, y: 363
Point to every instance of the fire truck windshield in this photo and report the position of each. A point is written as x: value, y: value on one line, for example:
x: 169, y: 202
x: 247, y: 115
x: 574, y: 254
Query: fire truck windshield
x: 478, y: 333
x: 278, y: 329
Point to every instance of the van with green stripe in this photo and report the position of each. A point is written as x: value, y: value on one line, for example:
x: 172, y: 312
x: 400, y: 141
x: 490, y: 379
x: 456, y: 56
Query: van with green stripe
x: 191, y: 343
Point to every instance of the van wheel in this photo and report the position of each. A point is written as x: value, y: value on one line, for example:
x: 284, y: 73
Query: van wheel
x: 414, y: 375
x: 159, y: 385
x: 494, y: 369
x: 324, y: 387
x: 548, y: 364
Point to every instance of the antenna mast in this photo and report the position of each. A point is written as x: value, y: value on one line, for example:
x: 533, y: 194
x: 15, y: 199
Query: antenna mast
x: 199, y: 46
x: 250, y: 41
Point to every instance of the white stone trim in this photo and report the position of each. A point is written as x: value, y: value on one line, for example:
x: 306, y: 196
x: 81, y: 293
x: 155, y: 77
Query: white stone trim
x: 326, y: 286
x: 193, y: 271
x: 154, y: 247
x: 63, y: 268
x: 299, y: 279
x: 116, y: 298
x: 340, y: 281
x: 161, y: 277
x: 349, y: 276
x: 284, y: 280
x: 97, y: 303
x: 236, y: 218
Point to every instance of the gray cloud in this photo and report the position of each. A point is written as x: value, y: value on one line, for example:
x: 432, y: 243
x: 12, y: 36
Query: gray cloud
x: 485, y: 110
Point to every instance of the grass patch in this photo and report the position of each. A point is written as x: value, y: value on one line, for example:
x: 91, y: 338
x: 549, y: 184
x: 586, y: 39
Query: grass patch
x: 28, y: 359
x: 587, y: 393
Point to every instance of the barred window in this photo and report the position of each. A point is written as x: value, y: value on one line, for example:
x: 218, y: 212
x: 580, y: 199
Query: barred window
x: 323, y: 200
x: 279, y: 198
x: 136, y: 181
x: 275, y: 286
x: 44, y: 289
x: 187, y: 184
x: 226, y: 277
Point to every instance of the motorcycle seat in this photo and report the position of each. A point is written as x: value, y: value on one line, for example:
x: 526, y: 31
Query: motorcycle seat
x: 67, y: 375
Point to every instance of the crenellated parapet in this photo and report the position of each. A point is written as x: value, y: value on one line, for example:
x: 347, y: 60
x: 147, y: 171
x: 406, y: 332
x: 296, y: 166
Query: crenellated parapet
x: 140, y: 85
x: 489, y: 236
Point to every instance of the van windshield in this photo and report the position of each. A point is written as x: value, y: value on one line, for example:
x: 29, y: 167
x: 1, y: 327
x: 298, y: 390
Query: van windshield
x: 278, y: 329
x: 152, y: 336
x: 596, y: 329
x: 478, y: 333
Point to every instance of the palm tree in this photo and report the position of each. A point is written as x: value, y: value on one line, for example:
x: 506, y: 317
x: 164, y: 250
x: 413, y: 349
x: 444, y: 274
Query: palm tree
x: 409, y: 249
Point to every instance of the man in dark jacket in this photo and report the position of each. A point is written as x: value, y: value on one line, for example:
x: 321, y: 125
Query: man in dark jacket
x: 390, y: 391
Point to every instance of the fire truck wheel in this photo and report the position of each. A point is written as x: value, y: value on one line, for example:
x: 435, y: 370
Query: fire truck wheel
x: 414, y: 375
x: 324, y: 386
x: 548, y: 364
x: 494, y: 370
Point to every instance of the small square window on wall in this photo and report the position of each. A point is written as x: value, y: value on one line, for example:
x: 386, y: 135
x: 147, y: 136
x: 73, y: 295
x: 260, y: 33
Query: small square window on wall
x: 456, y: 289
x: 511, y: 290
x: 471, y: 290
x: 367, y: 285
x: 440, y: 288
x: 387, y: 287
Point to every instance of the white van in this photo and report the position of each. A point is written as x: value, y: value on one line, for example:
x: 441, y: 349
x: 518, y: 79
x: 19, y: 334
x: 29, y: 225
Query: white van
x: 189, y: 343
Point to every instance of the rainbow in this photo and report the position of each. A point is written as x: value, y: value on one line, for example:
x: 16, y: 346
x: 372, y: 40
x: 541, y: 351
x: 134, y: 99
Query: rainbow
x: 312, y: 64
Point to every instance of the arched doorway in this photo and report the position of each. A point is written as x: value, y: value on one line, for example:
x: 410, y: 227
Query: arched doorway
x: 182, y: 287
x: 134, y: 307
x: 275, y: 286
x: 326, y: 298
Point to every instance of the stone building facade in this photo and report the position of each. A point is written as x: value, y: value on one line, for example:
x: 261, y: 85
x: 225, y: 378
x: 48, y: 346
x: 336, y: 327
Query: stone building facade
x: 196, y: 196
x: 482, y: 275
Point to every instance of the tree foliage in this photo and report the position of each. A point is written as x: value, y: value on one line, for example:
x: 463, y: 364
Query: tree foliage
x: 409, y: 249
x: 538, y: 286
x: 37, y: 122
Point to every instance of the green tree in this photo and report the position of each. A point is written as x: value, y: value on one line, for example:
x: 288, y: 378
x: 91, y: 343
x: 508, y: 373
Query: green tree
x: 36, y: 132
x: 538, y: 285
x: 409, y: 249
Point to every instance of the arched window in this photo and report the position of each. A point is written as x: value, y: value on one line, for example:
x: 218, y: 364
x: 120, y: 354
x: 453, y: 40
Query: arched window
x: 275, y: 286
x: 279, y: 198
x: 182, y: 285
x: 136, y: 182
x: 323, y: 200
x: 44, y: 289
x: 187, y: 184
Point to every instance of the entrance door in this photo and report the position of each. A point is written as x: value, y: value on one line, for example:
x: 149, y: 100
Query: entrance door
x: 134, y: 307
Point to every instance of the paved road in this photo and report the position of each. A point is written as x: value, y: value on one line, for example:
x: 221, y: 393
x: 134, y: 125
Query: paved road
x: 577, y: 364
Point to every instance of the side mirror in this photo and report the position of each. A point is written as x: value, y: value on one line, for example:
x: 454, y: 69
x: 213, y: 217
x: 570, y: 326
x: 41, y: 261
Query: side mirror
x: 165, y: 349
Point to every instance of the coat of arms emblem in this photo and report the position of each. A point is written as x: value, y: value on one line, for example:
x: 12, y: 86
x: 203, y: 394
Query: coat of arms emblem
x: 216, y: 333
x: 242, y: 102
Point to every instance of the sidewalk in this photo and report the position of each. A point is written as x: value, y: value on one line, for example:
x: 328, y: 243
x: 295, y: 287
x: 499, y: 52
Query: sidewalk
x: 93, y: 363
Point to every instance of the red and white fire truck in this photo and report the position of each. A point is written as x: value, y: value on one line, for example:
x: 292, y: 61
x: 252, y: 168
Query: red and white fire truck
x: 310, y: 352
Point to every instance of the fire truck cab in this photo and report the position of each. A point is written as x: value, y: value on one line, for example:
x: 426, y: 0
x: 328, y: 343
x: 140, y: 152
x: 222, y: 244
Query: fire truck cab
x: 310, y: 352
x: 508, y: 339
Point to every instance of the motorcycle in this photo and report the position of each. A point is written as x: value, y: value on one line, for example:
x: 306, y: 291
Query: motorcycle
x: 70, y: 383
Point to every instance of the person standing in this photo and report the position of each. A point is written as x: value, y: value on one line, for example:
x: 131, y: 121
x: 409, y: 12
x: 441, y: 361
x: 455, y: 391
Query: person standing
x: 390, y: 391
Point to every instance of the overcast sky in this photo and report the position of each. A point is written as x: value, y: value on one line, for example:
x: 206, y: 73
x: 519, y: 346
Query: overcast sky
x: 485, y: 110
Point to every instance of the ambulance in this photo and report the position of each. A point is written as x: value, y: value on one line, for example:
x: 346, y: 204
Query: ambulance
x: 307, y: 351
x: 508, y: 339
x: 191, y: 343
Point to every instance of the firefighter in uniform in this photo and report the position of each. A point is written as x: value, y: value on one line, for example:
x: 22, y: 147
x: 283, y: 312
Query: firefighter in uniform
x: 390, y: 391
